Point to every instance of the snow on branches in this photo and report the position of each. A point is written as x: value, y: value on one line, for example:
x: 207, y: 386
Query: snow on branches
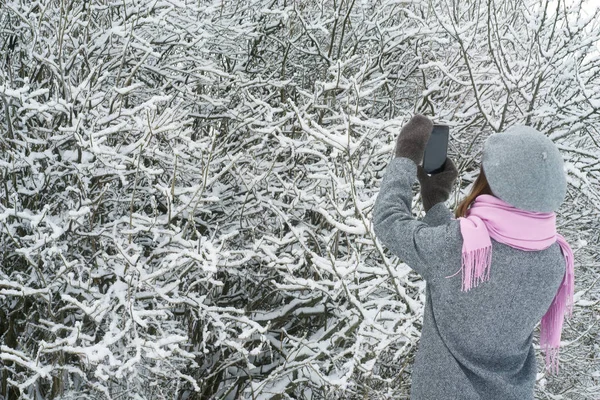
x: 185, y: 207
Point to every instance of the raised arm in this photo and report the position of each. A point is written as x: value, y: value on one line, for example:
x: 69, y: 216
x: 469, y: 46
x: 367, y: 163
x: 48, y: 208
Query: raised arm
x: 420, y: 244
x: 422, y: 247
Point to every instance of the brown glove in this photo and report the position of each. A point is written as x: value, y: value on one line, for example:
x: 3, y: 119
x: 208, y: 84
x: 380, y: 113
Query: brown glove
x: 437, y: 187
x: 413, y: 138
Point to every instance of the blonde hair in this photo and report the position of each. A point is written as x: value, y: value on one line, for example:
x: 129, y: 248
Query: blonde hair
x: 480, y: 186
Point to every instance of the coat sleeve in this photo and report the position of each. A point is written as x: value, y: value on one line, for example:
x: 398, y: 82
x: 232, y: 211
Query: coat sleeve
x: 425, y: 248
x: 439, y: 214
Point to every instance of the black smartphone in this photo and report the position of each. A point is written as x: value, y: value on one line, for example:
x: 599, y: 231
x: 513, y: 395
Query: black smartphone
x: 436, y: 149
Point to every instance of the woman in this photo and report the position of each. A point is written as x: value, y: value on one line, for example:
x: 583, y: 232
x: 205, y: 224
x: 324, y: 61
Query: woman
x: 516, y: 270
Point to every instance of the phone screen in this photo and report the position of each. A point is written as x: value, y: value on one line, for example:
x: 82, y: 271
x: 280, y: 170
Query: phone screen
x: 436, y: 149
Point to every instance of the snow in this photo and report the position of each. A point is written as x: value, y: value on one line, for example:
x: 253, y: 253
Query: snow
x: 188, y: 187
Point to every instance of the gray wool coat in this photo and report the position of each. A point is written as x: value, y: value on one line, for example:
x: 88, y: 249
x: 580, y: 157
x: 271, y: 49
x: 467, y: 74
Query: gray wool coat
x: 475, y: 345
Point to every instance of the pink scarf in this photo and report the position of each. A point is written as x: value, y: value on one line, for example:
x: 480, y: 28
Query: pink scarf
x: 489, y: 217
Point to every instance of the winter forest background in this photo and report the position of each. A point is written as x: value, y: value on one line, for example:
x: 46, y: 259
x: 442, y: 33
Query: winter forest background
x: 187, y: 187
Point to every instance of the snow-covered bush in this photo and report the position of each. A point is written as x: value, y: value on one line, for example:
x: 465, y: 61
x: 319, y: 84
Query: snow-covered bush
x: 187, y: 186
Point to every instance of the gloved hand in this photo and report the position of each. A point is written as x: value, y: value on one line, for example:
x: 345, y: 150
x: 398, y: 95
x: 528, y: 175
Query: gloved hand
x: 413, y: 138
x: 437, y: 187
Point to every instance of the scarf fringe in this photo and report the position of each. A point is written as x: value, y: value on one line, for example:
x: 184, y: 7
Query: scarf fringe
x: 553, y: 318
x: 476, y: 265
x: 552, y: 359
x: 550, y: 332
x: 552, y: 321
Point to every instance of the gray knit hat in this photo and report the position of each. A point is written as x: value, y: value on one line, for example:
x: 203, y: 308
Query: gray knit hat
x: 525, y: 169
